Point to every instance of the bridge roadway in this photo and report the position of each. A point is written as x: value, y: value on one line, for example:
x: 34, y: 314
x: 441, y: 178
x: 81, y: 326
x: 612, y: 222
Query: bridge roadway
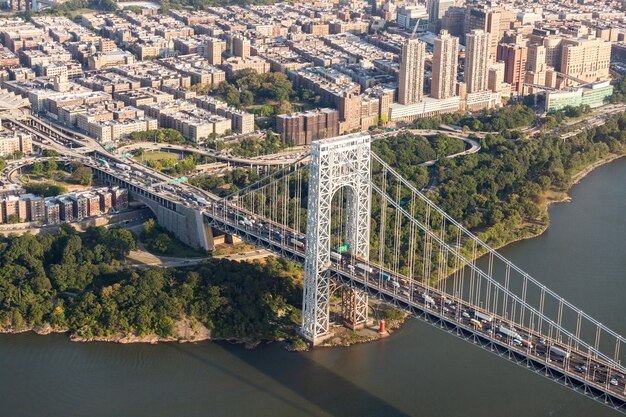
x: 593, y: 377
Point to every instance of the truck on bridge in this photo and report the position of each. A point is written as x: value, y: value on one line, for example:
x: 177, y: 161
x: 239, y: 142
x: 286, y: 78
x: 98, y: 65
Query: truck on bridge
x: 123, y: 167
x: 510, y: 333
x: 364, y: 268
x: 487, y: 318
x: 557, y: 351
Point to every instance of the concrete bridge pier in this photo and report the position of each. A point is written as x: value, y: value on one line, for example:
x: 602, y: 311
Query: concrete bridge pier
x: 187, y: 224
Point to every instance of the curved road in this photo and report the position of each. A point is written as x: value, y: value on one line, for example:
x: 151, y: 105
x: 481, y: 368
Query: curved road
x: 279, y: 159
x: 287, y: 158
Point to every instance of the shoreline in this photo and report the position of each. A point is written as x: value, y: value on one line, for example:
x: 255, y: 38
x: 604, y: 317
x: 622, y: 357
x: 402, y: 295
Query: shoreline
x: 565, y: 197
x: 187, y: 331
x: 562, y: 197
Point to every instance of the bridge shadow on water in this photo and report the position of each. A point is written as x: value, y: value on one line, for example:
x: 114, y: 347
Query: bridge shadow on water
x: 298, y: 377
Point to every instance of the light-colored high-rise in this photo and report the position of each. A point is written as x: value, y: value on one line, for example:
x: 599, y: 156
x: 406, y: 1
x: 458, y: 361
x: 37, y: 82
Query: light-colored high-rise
x: 586, y: 59
x: 487, y: 19
x: 411, y: 82
x: 477, y: 60
x: 214, y: 50
x: 445, y: 60
x: 536, y: 58
x: 240, y: 47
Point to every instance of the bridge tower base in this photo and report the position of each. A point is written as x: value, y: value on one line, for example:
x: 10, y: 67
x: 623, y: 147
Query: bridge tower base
x: 354, y: 308
x: 341, y: 162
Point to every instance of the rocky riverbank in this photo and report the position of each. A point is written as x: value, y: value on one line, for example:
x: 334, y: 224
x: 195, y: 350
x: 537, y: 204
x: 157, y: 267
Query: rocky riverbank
x: 184, y: 331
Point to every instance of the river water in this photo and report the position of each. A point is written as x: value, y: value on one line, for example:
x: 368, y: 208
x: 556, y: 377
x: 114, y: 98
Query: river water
x: 420, y: 371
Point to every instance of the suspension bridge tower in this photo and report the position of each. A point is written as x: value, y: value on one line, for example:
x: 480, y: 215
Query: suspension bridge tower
x: 336, y: 163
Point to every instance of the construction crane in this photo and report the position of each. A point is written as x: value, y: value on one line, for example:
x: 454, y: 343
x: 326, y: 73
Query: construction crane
x: 415, y: 28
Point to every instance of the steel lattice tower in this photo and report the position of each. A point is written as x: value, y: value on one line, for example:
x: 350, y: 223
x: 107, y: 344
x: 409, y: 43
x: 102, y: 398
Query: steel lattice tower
x: 335, y: 163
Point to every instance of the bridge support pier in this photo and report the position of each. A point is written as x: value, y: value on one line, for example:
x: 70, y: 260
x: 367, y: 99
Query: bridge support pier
x: 187, y: 224
x: 354, y: 308
x: 335, y: 163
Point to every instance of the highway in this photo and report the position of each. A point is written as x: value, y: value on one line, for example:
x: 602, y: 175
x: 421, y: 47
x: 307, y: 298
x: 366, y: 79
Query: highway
x: 596, y: 118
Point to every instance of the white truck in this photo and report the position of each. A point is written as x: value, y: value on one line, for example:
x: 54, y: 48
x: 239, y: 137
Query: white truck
x: 557, y: 351
x: 511, y: 333
x: 428, y: 299
x: 486, y: 318
x: 123, y: 167
x: 364, y: 268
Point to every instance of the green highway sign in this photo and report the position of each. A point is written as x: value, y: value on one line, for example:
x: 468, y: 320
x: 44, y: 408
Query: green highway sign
x: 343, y: 248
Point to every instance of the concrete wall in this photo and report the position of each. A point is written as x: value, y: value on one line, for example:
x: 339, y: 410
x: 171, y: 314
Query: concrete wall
x: 186, y: 223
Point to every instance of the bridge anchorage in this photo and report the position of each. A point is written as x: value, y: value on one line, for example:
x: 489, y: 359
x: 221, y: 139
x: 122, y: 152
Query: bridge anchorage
x: 335, y: 164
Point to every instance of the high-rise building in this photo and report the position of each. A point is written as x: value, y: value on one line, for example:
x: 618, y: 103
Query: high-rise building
x: 536, y: 68
x: 514, y: 57
x: 536, y: 61
x: 477, y: 50
x: 586, y: 59
x: 437, y: 9
x: 305, y: 127
x: 214, y: 50
x: 454, y: 21
x: 408, y: 16
x: 241, y: 47
x: 485, y: 19
x: 445, y: 61
x: 411, y: 82
x: 495, y: 81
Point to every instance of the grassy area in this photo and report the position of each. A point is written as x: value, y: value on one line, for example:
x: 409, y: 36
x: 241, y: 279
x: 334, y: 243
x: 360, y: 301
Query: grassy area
x: 80, y: 12
x: 227, y: 249
x: 175, y: 249
x: 157, y: 155
x: 60, y: 178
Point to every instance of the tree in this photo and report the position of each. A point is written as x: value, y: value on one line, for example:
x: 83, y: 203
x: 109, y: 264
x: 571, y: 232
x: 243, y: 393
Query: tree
x: 148, y: 227
x: 162, y: 242
x: 233, y: 97
x: 51, y: 166
x: 247, y: 98
x: 37, y: 168
x: 14, y: 218
x: 83, y: 175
